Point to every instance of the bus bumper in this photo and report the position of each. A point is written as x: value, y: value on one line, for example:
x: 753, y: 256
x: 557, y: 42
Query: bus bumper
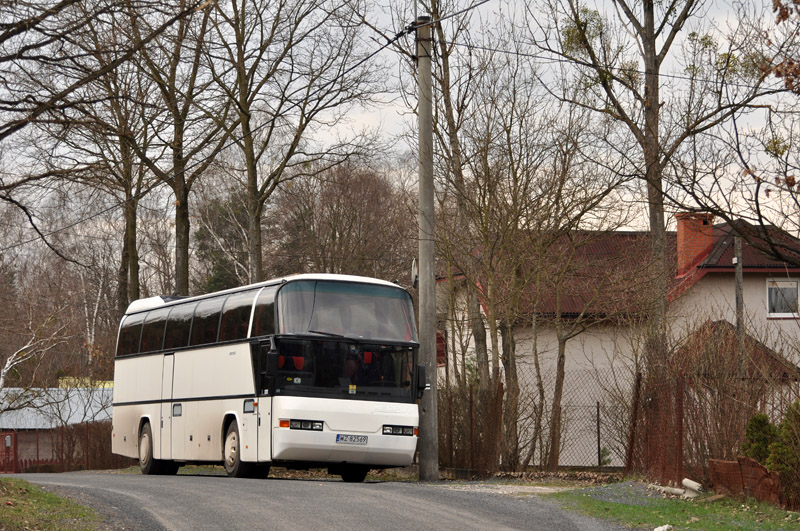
x: 350, y: 434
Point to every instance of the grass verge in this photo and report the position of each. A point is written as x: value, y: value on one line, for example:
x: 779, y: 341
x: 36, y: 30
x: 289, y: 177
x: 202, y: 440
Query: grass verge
x: 26, y: 506
x: 652, y: 512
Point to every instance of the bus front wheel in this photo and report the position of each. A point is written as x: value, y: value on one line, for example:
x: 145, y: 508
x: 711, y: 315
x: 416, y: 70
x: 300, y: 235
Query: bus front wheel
x: 233, y: 455
x: 147, y: 463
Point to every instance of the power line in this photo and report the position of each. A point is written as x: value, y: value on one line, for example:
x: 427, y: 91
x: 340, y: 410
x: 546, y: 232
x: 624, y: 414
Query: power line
x: 188, y: 167
x: 563, y: 60
x: 451, y: 15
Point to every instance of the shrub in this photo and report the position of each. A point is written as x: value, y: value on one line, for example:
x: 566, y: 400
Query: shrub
x: 760, y: 434
x: 778, y: 448
x: 784, y: 455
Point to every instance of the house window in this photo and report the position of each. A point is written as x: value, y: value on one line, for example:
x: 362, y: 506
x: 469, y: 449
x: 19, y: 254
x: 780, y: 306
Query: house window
x: 782, y: 298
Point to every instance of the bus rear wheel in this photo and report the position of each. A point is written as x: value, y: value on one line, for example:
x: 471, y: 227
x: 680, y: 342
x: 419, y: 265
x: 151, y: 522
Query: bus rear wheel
x: 232, y: 455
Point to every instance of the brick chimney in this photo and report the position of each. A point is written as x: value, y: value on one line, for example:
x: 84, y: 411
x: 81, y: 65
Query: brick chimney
x: 694, y: 239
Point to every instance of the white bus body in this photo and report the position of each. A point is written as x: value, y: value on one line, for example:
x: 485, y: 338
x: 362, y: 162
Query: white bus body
x: 340, y: 395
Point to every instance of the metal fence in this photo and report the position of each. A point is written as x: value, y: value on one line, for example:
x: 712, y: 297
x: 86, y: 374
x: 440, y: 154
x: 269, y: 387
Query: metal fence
x: 84, y: 446
x: 475, y: 433
x: 666, y: 427
x: 680, y: 422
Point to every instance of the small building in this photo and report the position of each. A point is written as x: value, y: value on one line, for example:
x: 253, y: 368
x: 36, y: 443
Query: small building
x: 55, y: 428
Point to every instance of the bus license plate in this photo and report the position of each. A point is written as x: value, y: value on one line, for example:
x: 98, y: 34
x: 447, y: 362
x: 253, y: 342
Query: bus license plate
x: 351, y: 439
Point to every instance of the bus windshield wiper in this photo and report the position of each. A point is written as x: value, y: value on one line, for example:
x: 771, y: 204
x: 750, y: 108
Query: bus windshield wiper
x: 330, y: 334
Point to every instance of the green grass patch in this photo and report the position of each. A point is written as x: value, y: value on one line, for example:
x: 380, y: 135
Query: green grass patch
x: 26, y: 506
x: 653, y: 511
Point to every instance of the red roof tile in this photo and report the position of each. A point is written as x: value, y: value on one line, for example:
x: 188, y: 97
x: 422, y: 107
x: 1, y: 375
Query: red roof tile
x: 605, y: 274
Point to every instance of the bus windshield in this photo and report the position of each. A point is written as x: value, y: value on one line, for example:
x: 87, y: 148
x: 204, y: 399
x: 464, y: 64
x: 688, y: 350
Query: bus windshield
x: 345, y: 369
x: 346, y: 309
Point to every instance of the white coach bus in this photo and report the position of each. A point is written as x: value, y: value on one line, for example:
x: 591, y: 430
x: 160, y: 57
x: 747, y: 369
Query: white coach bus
x: 306, y: 371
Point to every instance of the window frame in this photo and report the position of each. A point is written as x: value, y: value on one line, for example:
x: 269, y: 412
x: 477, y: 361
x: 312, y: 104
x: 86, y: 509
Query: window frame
x: 786, y: 282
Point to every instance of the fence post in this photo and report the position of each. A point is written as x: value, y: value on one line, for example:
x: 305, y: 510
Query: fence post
x: 599, y: 456
x: 86, y: 448
x: 637, y: 386
x: 37, y: 449
x: 450, y: 426
x: 679, y: 449
x: 499, y: 413
x: 61, y: 455
x: 471, y: 431
x: 15, y: 445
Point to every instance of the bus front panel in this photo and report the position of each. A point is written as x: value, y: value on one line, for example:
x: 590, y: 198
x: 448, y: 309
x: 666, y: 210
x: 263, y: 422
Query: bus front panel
x: 339, y: 431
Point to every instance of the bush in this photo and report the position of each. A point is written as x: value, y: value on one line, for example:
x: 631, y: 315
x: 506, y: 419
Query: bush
x: 760, y: 434
x: 778, y: 448
x: 784, y: 455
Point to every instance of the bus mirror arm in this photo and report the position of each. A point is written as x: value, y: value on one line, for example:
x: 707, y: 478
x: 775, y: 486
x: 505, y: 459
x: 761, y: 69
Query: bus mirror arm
x: 422, y: 382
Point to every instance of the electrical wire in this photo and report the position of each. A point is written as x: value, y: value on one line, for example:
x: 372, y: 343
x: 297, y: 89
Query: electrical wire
x: 563, y: 60
x: 451, y: 15
x: 409, y: 29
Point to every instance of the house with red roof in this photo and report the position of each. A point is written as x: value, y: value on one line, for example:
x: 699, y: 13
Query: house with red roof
x: 601, y: 298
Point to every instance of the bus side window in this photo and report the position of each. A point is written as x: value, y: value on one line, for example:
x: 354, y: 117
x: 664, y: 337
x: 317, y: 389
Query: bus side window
x: 205, y: 324
x: 178, y: 325
x: 264, y: 317
x: 129, y: 335
x: 236, y: 316
x: 153, y: 330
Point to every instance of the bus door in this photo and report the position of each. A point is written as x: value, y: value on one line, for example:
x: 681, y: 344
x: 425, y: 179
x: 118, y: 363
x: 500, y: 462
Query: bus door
x: 166, y: 406
x: 264, y: 409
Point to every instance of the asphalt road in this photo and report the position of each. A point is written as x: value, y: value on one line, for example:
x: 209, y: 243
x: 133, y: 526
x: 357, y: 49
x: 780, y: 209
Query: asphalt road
x: 136, y: 502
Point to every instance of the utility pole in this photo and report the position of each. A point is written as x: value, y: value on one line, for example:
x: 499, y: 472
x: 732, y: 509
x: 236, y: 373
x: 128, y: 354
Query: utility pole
x: 429, y: 432
x: 737, y: 260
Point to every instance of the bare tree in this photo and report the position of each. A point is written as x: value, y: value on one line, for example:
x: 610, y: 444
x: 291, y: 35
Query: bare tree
x: 195, y: 123
x: 320, y: 224
x: 619, y: 57
x: 39, y: 340
x: 291, y: 71
x: 48, y: 57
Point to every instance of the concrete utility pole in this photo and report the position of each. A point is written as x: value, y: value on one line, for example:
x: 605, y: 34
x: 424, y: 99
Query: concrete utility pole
x: 429, y: 433
x: 737, y: 260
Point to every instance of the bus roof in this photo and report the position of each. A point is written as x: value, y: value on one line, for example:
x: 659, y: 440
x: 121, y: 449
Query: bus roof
x: 150, y: 303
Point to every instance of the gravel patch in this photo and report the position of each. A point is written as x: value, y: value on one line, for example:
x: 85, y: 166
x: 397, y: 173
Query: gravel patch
x: 506, y: 490
x: 626, y: 493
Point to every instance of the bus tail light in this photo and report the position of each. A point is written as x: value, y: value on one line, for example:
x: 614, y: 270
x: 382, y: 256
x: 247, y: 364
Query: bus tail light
x: 284, y: 423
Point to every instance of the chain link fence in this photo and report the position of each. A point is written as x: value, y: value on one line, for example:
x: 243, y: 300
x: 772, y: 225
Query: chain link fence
x: 473, y: 435
x: 666, y: 427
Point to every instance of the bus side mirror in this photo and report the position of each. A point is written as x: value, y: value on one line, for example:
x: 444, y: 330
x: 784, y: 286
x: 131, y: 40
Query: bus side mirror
x: 422, y: 382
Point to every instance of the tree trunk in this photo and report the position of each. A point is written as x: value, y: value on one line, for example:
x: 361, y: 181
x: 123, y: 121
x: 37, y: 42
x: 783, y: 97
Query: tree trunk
x: 656, y: 351
x: 122, y: 277
x: 539, y: 408
x: 182, y: 228
x: 254, y: 257
x: 493, y: 335
x: 510, y: 454
x: 132, y: 250
x: 479, y: 335
x: 555, y: 416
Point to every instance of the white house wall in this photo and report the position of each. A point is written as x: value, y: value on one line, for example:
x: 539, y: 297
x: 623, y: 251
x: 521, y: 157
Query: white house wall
x: 713, y: 297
